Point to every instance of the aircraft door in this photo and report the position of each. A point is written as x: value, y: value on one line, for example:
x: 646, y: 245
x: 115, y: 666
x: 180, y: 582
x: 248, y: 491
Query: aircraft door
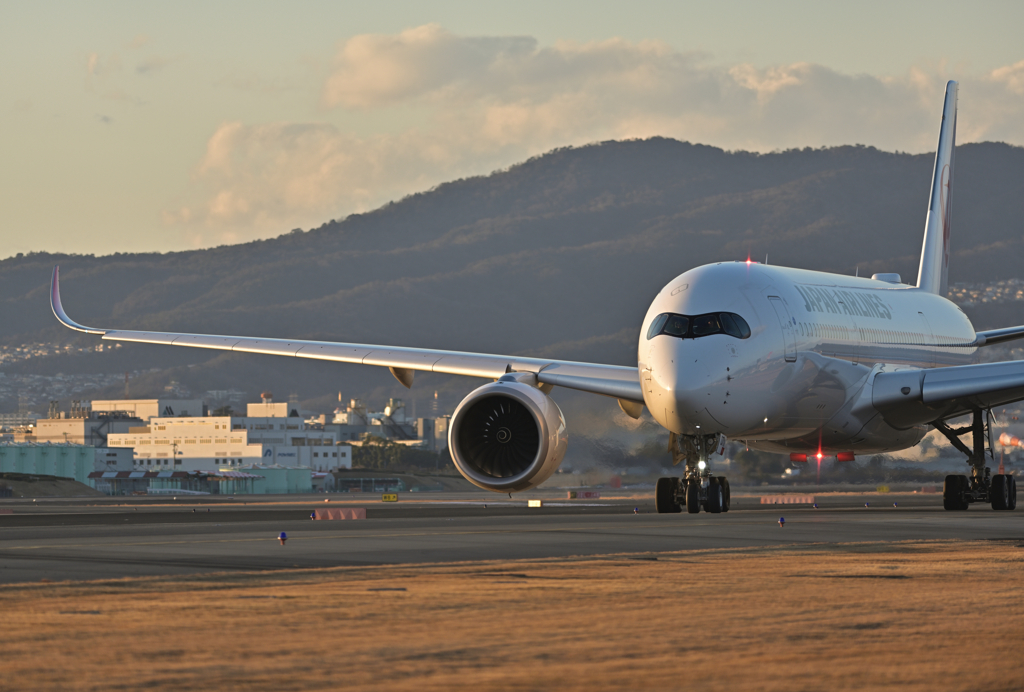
x: 786, y: 322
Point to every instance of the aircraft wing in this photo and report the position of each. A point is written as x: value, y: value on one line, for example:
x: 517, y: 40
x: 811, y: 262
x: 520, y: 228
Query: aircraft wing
x: 912, y: 397
x: 616, y: 381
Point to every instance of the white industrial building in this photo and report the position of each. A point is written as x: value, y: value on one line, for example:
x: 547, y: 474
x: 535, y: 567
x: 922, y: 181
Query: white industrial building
x: 355, y: 421
x: 149, y: 408
x: 267, y: 435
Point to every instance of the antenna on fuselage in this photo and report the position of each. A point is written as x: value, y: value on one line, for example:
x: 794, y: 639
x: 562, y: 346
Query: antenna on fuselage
x: 857, y: 273
x: 766, y: 259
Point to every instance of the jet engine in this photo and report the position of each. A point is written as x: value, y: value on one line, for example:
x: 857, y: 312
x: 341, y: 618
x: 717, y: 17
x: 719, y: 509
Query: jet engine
x: 507, y: 436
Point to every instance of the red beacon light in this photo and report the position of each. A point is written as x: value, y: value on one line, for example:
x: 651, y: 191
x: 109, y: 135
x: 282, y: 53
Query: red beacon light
x: 844, y: 456
x: 798, y: 458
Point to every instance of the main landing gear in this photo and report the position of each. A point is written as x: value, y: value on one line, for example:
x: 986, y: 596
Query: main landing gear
x: 697, y: 488
x: 958, y: 492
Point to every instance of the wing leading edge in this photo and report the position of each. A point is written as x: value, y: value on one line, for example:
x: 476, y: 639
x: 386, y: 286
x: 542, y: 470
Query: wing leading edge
x: 616, y: 381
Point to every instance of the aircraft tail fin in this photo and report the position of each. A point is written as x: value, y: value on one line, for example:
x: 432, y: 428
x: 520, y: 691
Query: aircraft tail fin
x: 934, y: 271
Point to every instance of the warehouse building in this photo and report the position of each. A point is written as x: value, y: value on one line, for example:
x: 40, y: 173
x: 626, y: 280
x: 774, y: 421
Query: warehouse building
x: 63, y: 460
x: 81, y: 425
x: 269, y: 434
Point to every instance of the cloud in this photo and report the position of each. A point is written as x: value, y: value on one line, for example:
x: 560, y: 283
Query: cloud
x: 1012, y: 76
x: 373, y: 70
x: 97, y: 65
x: 514, y: 90
x: 481, y: 103
x: 253, y: 178
x: 152, y: 65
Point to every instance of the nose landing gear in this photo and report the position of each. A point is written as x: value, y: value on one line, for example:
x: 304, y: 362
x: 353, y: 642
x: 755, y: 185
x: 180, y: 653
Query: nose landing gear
x: 697, y: 489
x: 958, y: 492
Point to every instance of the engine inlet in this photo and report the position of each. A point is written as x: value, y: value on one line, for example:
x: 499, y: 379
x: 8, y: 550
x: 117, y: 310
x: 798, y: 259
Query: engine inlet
x: 499, y: 437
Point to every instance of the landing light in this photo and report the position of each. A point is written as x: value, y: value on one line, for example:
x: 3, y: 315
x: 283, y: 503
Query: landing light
x: 701, y: 465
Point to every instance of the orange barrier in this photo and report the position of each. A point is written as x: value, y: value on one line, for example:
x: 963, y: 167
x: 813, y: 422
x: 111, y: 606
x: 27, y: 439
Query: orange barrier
x: 787, y: 499
x: 584, y: 495
x: 340, y: 513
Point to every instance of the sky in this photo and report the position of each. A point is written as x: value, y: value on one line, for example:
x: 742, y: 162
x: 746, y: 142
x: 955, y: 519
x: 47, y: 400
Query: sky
x: 131, y: 127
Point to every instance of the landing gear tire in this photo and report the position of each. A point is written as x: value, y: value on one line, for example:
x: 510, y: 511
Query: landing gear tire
x: 665, y: 496
x: 726, y: 499
x: 715, y: 496
x: 692, y: 497
x: 1013, y: 492
x: 953, y: 493
x: 999, y: 492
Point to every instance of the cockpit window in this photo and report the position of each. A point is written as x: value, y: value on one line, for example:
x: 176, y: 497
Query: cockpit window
x: 657, y: 325
x: 734, y: 325
x: 676, y: 325
x: 686, y: 327
x: 706, y: 324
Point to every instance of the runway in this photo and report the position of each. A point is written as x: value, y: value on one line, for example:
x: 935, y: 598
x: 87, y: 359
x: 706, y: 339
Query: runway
x: 69, y: 541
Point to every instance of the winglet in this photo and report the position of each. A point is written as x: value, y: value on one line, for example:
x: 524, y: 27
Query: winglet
x: 58, y: 310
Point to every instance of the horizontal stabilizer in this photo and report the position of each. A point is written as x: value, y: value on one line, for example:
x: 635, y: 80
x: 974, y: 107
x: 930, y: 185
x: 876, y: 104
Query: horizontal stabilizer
x: 998, y: 336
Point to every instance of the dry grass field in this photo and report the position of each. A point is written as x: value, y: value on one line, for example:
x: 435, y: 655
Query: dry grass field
x: 913, y: 616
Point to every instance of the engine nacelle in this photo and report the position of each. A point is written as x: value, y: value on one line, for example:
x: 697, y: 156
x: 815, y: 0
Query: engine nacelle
x: 507, y: 436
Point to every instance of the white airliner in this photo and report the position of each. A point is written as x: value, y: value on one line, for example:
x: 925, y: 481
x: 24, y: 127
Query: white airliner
x: 785, y: 360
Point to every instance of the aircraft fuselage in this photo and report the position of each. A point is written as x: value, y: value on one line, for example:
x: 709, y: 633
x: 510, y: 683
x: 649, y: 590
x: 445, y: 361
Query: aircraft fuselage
x: 801, y: 382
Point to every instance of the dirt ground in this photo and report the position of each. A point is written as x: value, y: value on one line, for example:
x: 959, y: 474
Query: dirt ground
x: 915, y: 616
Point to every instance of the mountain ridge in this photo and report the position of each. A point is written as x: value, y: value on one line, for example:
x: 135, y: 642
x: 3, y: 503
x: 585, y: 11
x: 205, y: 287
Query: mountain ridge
x: 563, y: 250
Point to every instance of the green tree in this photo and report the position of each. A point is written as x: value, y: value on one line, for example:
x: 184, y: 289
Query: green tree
x: 382, y: 454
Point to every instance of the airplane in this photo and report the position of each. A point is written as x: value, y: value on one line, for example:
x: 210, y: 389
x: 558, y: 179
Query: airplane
x: 784, y: 360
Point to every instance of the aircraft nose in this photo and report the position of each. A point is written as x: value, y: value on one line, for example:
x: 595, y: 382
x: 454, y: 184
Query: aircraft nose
x: 686, y: 375
x: 676, y: 384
